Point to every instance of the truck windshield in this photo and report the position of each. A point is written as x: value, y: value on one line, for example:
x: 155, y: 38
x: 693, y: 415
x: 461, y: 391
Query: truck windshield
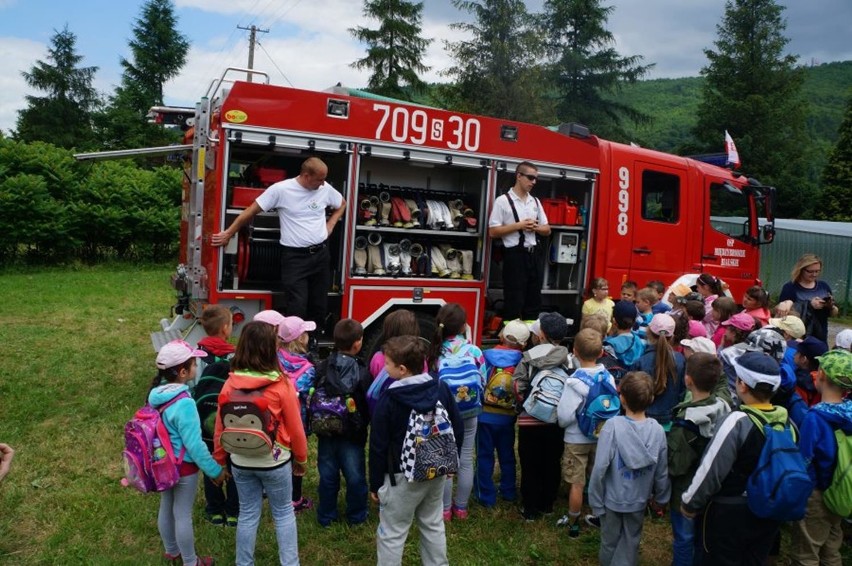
x: 729, y: 211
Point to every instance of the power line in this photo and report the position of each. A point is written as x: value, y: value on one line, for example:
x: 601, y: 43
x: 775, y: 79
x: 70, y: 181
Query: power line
x: 271, y: 60
x: 282, y: 12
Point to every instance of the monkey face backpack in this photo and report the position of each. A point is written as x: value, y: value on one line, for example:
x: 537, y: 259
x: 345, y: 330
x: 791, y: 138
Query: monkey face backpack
x: 248, y: 427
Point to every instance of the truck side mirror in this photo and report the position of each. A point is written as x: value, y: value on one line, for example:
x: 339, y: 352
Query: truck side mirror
x: 768, y: 233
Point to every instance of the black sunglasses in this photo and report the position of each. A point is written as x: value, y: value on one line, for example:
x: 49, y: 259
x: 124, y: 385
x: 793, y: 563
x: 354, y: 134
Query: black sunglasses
x: 528, y: 176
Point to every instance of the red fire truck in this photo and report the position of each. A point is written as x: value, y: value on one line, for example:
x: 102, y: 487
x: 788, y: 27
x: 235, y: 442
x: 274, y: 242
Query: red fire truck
x: 420, y: 183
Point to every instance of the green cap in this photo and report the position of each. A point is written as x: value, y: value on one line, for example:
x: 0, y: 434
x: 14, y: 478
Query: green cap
x: 837, y: 365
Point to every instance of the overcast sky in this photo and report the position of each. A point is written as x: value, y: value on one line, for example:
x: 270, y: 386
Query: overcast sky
x: 308, y: 44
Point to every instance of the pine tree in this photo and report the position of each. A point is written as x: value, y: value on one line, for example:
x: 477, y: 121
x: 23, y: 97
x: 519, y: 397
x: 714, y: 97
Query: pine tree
x: 836, y: 200
x: 159, y: 52
x: 64, y: 116
x: 753, y: 91
x: 395, y: 50
x: 585, y: 70
x: 498, y: 71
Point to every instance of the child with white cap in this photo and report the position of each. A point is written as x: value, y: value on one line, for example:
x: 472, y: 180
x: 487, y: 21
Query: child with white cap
x: 843, y: 340
x: 733, y: 534
x: 496, y: 427
x: 694, y: 424
x: 176, y: 365
x: 539, y: 443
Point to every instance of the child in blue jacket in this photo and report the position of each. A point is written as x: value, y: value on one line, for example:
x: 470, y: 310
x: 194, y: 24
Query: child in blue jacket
x: 818, y: 537
x: 176, y: 362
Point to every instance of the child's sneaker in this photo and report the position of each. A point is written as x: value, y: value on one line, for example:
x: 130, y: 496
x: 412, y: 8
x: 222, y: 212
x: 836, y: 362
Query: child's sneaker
x: 448, y: 515
x: 529, y: 516
x: 574, y: 529
x: 205, y: 561
x: 172, y: 557
x: 231, y: 521
x: 302, y: 504
x: 215, y: 518
x: 460, y: 514
x: 656, y: 513
x: 593, y: 521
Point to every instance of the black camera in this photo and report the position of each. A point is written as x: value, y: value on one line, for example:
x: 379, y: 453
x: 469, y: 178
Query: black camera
x: 829, y: 301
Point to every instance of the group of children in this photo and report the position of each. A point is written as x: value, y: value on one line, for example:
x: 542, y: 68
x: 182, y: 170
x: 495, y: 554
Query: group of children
x: 680, y: 435
x: 718, y: 384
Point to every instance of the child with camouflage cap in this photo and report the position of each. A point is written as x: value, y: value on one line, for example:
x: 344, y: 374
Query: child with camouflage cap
x: 818, y: 537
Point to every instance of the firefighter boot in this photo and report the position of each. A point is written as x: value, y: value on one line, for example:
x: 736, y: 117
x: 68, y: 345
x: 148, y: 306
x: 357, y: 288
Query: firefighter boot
x: 392, y: 259
x: 359, y: 257
x: 453, y: 260
x: 467, y: 264
x: 414, y: 211
x: 374, y: 260
x: 417, y: 267
x: 386, y: 207
x: 456, y: 213
x: 439, y: 263
x: 372, y: 211
x: 405, y: 256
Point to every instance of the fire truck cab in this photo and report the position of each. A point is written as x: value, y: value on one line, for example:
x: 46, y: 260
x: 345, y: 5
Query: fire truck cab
x: 419, y: 184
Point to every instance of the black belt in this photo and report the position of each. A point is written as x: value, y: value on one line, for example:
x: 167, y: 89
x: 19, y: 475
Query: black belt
x: 528, y: 249
x: 309, y: 250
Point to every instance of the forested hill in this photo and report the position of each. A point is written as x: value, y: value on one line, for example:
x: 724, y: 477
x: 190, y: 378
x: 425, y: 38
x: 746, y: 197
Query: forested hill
x: 673, y: 103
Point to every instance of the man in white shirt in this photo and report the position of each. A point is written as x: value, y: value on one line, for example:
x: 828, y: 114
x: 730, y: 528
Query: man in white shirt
x: 518, y: 218
x: 305, y: 261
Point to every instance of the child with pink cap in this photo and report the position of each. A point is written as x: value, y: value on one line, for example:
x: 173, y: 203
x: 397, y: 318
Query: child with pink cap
x: 295, y: 362
x: 176, y: 365
x: 665, y: 366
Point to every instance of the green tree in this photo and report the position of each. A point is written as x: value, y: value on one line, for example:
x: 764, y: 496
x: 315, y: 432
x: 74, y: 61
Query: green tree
x: 754, y: 91
x: 395, y: 50
x: 158, y: 52
x: 836, y: 200
x: 586, y: 71
x: 498, y: 71
x: 64, y: 116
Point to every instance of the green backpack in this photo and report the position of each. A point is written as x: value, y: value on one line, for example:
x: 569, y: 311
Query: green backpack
x: 838, y: 496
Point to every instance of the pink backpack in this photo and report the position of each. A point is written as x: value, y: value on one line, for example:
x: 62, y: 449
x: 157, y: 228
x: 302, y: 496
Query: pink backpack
x: 149, y: 460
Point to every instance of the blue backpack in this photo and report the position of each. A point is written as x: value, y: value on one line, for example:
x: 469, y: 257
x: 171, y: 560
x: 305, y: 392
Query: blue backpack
x: 461, y: 374
x: 376, y: 389
x: 601, y: 404
x: 779, y: 486
x: 545, y: 392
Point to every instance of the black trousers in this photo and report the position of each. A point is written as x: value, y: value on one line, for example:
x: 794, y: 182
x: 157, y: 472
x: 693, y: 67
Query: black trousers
x: 522, y: 279
x: 220, y: 500
x: 540, y: 454
x: 734, y: 536
x: 305, y: 280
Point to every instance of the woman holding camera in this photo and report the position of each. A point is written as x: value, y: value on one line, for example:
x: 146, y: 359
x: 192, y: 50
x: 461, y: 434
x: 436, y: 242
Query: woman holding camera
x: 808, y: 296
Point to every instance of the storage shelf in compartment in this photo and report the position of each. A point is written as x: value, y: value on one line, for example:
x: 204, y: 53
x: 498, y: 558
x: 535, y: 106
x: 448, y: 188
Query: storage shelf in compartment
x: 413, y: 278
x: 560, y: 292
x: 579, y: 228
x: 418, y: 231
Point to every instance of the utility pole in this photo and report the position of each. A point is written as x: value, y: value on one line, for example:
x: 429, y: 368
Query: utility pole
x: 252, y: 40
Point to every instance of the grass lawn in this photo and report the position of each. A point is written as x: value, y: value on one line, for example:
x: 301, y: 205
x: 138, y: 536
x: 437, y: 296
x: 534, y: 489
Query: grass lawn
x: 78, y: 364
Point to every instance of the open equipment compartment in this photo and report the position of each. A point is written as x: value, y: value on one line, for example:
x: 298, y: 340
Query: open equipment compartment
x: 419, y: 214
